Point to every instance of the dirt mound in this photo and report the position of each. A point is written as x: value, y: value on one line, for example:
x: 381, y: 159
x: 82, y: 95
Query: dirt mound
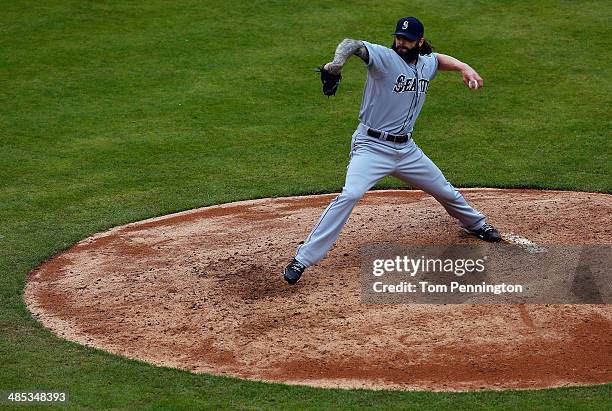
x: 202, y: 291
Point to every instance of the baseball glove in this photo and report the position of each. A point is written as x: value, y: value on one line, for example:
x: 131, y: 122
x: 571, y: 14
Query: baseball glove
x: 330, y: 81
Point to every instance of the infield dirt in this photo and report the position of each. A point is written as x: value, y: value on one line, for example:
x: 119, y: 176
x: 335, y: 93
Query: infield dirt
x: 202, y: 290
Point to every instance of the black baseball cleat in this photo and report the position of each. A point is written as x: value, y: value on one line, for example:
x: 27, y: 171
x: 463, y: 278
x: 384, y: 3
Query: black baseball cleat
x: 487, y: 232
x: 293, y: 271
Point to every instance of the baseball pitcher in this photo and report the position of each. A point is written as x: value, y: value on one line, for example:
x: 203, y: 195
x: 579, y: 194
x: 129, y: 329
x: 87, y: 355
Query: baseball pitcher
x: 395, y: 90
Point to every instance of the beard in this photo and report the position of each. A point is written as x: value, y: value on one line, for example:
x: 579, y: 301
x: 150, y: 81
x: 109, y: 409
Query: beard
x: 408, y: 56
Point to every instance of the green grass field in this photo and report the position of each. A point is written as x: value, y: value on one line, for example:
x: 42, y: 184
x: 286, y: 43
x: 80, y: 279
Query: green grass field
x: 111, y: 112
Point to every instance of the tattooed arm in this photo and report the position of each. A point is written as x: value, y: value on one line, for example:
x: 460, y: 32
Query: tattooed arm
x: 345, y: 49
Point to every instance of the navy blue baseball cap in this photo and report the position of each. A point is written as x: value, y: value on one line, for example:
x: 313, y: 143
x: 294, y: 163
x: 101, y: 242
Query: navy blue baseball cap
x: 409, y: 27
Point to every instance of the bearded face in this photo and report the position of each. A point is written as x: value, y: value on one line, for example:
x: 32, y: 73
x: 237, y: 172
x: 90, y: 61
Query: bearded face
x: 409, y: 55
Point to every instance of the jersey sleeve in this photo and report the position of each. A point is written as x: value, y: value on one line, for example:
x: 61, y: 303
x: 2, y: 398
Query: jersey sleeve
x: 377, y: 63
x: 431, y: 65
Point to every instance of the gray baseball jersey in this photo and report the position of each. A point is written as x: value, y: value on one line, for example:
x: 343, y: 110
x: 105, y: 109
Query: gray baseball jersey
x: 395, y: 90
x: 394, y: 95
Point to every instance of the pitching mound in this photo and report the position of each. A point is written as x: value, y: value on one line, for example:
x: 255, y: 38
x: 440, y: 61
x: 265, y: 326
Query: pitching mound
x: 202, y: 291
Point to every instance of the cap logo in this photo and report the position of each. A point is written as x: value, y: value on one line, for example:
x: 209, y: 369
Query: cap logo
x: 405, y: 25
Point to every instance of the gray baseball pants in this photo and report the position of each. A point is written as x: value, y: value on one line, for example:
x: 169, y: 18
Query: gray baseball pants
x: 370, y: 160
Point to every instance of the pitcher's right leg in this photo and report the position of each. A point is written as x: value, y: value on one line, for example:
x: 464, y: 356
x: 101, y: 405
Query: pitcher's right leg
x: 421, y: 173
